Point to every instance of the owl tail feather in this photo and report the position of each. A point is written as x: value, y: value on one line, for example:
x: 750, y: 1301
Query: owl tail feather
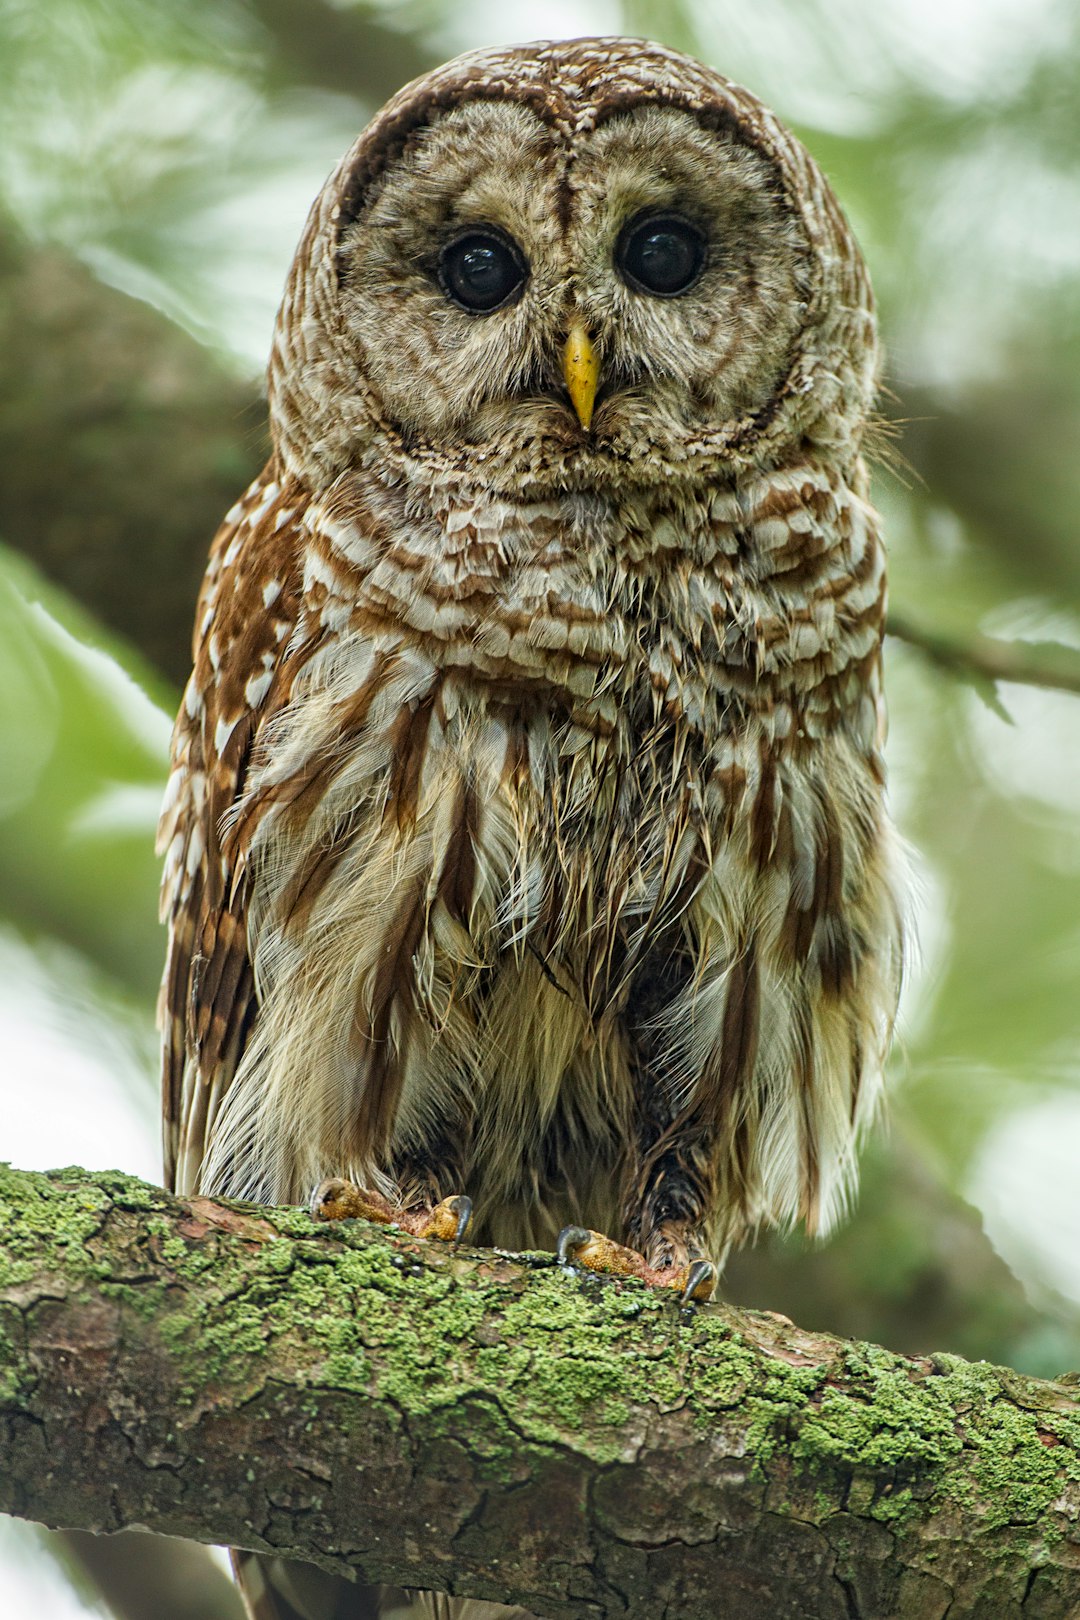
x: 283, y: 1589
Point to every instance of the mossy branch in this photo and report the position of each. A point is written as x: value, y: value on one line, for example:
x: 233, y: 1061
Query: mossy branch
x: 494, y: 1425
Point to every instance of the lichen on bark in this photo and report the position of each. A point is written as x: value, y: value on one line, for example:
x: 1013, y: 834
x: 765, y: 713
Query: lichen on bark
x: 495, y: 1425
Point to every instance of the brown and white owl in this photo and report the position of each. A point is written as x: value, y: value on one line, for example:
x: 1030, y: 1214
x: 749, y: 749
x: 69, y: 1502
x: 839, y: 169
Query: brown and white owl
x: 526, y: 840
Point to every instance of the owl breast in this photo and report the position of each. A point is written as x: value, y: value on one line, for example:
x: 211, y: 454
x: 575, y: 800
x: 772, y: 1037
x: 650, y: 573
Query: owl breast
x: 538, y: 760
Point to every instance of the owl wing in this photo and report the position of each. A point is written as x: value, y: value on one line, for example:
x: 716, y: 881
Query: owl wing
x: 247, y: 612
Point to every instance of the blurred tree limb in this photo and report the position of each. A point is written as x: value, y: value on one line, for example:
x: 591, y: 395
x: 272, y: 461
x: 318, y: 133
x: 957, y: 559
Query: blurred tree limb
x: 122, y: 443
x: 1003, y: 458
x: 367, y: 1402
x: 349, y: 49
x: 1028, y: 663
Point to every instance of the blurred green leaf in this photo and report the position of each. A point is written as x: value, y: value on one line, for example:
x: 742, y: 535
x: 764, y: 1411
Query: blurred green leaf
x: 84, y: 755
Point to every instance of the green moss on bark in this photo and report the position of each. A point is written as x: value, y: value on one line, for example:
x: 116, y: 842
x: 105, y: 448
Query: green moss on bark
x: 505, y: 1369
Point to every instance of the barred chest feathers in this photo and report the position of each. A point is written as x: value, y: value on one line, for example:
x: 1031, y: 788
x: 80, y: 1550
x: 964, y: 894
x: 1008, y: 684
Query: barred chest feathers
x: 520, y: 760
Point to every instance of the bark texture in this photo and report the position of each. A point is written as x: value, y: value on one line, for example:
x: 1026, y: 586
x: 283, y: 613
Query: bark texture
x: 496, y: 1426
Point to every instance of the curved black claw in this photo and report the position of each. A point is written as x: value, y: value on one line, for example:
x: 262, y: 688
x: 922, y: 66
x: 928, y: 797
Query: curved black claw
x: 570, y: 1240
x: 462, y: 1208
x: 700, y: 1282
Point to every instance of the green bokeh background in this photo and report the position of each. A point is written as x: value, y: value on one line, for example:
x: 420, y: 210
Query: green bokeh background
x: 156, y: 164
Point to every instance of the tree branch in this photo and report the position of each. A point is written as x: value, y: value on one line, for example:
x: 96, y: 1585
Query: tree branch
x: 1029, y: 663
x: 491, y: 1424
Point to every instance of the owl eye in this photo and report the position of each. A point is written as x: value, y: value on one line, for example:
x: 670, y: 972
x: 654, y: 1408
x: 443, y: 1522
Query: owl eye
x: 481, y: 270
x: 660, y: 254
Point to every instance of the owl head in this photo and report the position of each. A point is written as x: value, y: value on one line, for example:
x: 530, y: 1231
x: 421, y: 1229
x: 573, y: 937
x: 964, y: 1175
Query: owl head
x: 574, y: 265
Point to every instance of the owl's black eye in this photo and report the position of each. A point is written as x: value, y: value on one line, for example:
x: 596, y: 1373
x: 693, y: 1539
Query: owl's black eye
x: 660, y: 254
x: 481, y: 270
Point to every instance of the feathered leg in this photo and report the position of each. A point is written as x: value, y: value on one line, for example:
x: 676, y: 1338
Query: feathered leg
x: 671, y: 1190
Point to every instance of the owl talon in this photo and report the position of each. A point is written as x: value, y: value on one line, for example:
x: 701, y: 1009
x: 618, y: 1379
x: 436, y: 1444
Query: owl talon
x: 578, y: 1246
x: 340, y: 1200
x: 449, y: 1220
x: 700, y: 1284
x: 571, y: 1240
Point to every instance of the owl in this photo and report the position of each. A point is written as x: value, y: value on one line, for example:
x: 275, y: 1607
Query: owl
x: 526, y: 849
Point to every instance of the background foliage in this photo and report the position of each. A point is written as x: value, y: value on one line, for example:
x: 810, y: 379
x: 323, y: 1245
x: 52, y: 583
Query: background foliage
x: 156, y: 164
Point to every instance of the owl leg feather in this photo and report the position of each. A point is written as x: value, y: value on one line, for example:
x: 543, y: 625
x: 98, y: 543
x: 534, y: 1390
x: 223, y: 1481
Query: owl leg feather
x: 671, y: 1195
x: 340, y: 1200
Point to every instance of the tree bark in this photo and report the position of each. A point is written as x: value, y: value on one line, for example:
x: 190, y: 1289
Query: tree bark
x: 496, y: 1426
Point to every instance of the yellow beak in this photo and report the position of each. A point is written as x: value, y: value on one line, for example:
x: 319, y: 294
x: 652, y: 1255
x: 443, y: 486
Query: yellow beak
x: 581, y: 370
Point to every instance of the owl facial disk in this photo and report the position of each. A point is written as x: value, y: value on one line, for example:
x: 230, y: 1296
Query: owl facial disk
x: 581, y: 369
x: 571, y: 311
